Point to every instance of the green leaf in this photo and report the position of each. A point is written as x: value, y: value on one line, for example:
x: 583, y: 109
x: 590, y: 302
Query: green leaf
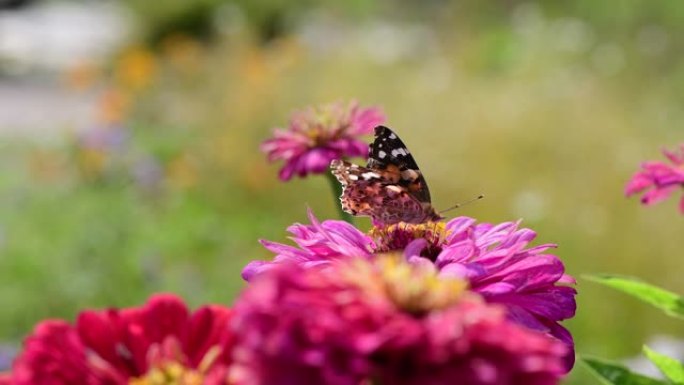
x: 671, y: 303
x: 611, y: 373
x: 670, y: 367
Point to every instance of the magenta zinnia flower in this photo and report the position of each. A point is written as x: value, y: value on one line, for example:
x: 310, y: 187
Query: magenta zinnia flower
x: 494, y: 259
x: 658, y: 180
x: 318, y: 244
x: 317, y: 135
x: 135, y: 346
x: 395, y: 322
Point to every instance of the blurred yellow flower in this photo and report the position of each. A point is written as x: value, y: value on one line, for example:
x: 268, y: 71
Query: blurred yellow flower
x: 136, y: 68
x: 91, y: 163
x: 183, y: 171
x: 254, y: 66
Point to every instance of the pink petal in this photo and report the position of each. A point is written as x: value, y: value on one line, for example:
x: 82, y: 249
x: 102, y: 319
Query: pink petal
x: 254, y: 268
x: 638, y: 183
x: 674, y: 157
x: 286, y: 172
x: 415, y: 247
x: 469, y: 271
x: 458, y: 252
x: 657, y: 195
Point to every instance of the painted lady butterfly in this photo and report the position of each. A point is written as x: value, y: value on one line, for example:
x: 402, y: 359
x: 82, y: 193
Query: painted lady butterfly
x: 390, y: 189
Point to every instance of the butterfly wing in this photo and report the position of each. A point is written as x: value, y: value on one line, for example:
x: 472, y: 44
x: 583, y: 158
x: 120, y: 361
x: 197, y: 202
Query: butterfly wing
x: 375, y: 193
x: 389, y: 155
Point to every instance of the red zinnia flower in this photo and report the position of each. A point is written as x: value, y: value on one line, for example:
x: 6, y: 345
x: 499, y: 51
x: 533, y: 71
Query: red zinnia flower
x: 159, y: 341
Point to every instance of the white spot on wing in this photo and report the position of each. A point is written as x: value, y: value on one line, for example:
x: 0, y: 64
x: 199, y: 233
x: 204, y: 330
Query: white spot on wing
x: 382, y: 154
x: 370, y: 175
x: 399, y: 151
x: 392, y: 136
x: 409, y: 175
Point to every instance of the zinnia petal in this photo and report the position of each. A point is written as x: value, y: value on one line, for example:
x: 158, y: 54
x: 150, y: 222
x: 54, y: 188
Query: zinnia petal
x: 657, y: 195
x: 658, y: 180
x: 495, y: 259
x: 343, y: 326
x: 119, y: 346
x: 317, y: 135
x: 318, y: 244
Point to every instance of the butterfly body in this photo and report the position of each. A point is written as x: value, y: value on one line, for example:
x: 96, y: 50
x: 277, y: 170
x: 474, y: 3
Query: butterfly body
x: 390, y: 188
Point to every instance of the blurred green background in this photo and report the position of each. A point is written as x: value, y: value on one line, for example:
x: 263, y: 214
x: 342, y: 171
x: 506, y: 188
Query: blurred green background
x: 134, y: 167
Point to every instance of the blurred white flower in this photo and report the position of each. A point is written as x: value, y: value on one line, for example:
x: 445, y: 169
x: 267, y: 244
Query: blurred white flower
x: 663, y: 344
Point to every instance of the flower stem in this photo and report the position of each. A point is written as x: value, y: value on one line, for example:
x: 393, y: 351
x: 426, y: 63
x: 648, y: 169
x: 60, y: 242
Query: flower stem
x: 337, y: 191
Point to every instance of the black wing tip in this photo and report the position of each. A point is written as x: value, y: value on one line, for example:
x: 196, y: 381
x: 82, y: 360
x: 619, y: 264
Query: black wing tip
x: 380, y: 129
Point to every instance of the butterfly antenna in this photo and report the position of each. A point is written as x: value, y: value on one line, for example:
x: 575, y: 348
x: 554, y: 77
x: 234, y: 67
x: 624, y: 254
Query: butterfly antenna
x: 457, y: 205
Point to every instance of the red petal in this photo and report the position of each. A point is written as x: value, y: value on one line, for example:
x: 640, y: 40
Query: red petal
x: 207, y: 328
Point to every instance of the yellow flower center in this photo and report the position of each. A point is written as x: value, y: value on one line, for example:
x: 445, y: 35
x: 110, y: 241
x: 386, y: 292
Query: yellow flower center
x: 173, y: 372
x: 170, y: 373
x: 398, y: 236
x: 325, y: 123
x: 416, y: 289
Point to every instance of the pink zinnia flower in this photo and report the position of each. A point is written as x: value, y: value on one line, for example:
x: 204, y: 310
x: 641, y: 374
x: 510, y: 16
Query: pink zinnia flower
x: 495, y: 259
x: 317, y: 135
x: 398, y: 323
x: 129, y: 346
x: 318, y: 244
x: 658, y: 179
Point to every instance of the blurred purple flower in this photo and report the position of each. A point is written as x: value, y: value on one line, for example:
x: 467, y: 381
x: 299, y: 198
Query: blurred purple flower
x: 148, y: 173
x: 495, y: 259
x: 658, y: 180
x: 106, y: 138
x: 7, y: 354
x: 317, y: 135
x: 385, y: 319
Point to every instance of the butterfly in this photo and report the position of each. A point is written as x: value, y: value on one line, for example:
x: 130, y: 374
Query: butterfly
x: 390, y: 188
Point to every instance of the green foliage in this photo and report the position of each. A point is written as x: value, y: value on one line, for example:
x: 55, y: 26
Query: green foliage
x: 670, y: 367
x: 269, y: 19
x: 671, y: 303
x: 611, y: 373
